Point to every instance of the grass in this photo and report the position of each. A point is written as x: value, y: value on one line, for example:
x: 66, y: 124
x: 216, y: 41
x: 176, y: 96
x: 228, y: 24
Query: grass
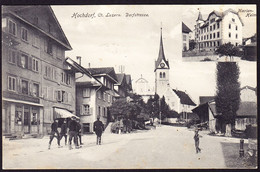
x: 232, y: 159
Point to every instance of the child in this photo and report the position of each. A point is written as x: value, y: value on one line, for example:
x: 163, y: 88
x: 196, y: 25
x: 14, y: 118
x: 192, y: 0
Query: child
x: 196, y: 138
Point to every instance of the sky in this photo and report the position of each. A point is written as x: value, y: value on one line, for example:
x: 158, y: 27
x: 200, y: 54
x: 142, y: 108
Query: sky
x: 134, y: 43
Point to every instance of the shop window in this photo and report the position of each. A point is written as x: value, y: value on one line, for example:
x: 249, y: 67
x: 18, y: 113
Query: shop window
x: 25, y: 87
x: 18, y: 115
x: 86, y: 92
x: 12, y: 27
x: 12, y: 56
x: 24, y: 34
x: 11, y: 83
x: 34, y: 119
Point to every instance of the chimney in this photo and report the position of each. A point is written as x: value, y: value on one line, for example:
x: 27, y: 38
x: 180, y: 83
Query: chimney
x: 79, y: 59
x: 88, y: 65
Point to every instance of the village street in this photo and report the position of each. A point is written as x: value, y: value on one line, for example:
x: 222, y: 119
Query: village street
x: 165, y: 147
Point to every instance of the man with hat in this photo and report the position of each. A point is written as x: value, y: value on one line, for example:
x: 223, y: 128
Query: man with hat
x: 54, y: 133
x: 72, y: 125
x: 98, y: 128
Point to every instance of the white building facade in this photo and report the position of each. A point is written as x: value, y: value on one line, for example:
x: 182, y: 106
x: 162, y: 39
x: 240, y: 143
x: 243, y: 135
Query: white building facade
x: 217, y: 29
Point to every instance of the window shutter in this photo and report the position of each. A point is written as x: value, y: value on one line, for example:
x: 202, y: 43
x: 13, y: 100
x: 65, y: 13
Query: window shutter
x: 19, y: 86
x: 29, y: 63
x: 19, y: 59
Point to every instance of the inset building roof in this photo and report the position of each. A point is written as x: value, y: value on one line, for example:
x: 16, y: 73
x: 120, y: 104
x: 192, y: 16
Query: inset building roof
x: 184, y: 97
x: 185, y: 28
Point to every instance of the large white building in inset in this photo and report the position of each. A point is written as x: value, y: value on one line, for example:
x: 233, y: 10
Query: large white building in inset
x: 217, y: 29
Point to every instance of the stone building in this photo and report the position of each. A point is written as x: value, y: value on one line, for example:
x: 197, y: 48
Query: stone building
x: 36, y: 80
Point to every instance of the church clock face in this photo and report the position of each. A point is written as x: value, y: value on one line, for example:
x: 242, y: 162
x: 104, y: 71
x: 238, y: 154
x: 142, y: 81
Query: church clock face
x: 162, y: 65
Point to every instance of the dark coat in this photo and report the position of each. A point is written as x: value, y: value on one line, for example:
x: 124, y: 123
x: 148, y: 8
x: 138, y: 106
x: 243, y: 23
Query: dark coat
x: 72, y: 125
x: 64, y: 128
x: 98, y: 126
x: 54, y: 127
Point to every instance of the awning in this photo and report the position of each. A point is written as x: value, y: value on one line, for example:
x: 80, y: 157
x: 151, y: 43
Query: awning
x: 63, y: 113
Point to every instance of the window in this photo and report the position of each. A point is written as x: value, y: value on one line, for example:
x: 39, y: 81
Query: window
x: 25, y: 87
x: 48, y: 72
x: 229, y: 35
x: 229, y: 26
x: 210, y: 36
x: 99, y: 94
x: 12, y: 56
x: 163, y: 74
x: 18, y: 115
x: 35, y: 40
x: 207, y: 36
x: 11, y: 83
x: 160, y: 74
x: 86, y: 92
x: 184, y: 38
x: 64, y: 97
x: 214, y: 44
x: 68, y: 79
x: 48, y: 47
x: 108, y: 98
x: 233, y: 20
x: 24, y: 61
x: 201, y: 37
x: 217, y: 34
x: 212, y: 20
x: 214, y: 27
x: 214, y: 35
x: 24, y: 34
x: 35, y: 65
x: 99, y: 112
x: 104, y: 96
x: 104, y: 113
x: 204, y: 37
x: 236, y: 27
x: 12, y: 27
x: 217, y: 25
x: 34, y: 118
x: 59, y: 53
x: 236, y: 36
x: 236, y: 44
x: 35, y: 90
x: 218, y: 43
x: 210, y: 28
x: 85, y: 110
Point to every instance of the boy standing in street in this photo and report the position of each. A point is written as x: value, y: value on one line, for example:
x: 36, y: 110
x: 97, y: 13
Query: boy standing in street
x: 98, y: 128
x: 72, y: 125
x: 197, y: 140
x: 64, y: 131
x: 54, y: 133
x: 79, y: 132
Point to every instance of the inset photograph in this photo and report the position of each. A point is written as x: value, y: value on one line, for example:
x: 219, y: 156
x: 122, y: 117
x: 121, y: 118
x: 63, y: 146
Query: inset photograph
x: 219, y: 33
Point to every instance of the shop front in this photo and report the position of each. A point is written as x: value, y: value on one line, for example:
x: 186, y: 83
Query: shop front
x: 20, y: 118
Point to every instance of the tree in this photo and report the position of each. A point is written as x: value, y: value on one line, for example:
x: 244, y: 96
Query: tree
x: 228, y: 92
x: 192, y: 44
x: 164, y: 108
x: 227, y: 49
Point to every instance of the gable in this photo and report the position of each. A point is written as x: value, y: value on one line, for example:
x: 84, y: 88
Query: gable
x: 42, y: 17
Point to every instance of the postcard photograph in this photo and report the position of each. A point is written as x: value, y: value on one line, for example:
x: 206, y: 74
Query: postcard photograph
x: 129, y: 87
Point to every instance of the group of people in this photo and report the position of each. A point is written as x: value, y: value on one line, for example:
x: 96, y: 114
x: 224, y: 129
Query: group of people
x: 73, y: 130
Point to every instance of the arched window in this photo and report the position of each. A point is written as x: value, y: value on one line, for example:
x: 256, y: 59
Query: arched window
x: 163, y: 74
x: 160, y: 74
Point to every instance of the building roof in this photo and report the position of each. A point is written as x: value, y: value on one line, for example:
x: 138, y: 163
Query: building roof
x: 77, y: 67
x: 206, y: 99
x: 247, y: 109
x: 185, y: 99
x: 129, y: 81
x: 109, y: 71
x: 199, y: 16
x: 25, y: 13
x: 120, y: 78
x: 222, y: 14
x: 161, y: 56
x: 185, y: 28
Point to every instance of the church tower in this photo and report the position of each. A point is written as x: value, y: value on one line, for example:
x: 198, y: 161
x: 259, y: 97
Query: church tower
x: 161, y: 72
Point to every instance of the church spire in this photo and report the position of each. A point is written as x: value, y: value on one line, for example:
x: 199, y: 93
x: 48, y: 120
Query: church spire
x: 161, y: 56
x: 200, y: 16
